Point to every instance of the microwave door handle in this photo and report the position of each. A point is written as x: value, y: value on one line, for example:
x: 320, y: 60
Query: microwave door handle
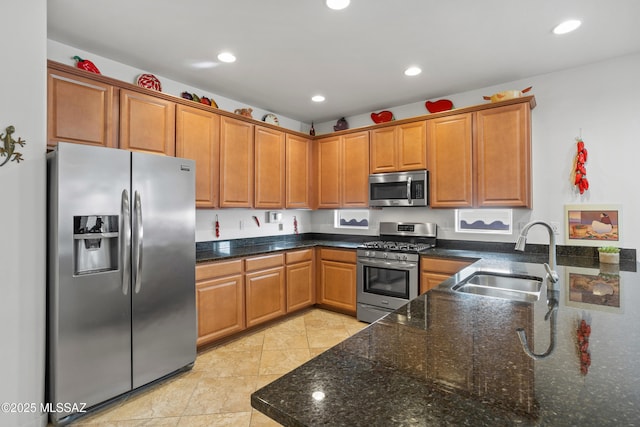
x: 409, y: 190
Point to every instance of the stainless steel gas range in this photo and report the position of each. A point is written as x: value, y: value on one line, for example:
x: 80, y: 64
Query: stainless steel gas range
x: 388, y: 268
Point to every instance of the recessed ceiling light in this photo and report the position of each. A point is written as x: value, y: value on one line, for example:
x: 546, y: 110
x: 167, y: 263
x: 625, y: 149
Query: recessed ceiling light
x: 227, y: 57
x: 412, y: 71
x: 337, y: 4
x: 567, y: 26
x: 317, y: 98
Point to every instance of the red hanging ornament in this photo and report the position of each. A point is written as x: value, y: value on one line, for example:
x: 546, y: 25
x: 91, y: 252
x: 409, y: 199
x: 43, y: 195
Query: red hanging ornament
x: 580, y: 171
x: 217, y: 227
x: 295, y: 225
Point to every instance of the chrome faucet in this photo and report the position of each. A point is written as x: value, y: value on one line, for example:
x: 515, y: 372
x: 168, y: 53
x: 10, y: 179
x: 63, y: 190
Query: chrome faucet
x: 552, y: 295
x: 551, y: 265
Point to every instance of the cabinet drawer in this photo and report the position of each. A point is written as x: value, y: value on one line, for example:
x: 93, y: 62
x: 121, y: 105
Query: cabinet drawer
x: 218, y: 269
x: 338, y: 255
x: 262, y: 262
x: 299, y: 256
x: 444, y: 265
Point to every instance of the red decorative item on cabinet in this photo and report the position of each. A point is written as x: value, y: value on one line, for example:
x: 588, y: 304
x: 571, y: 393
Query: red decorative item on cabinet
x: 85, y: 64
x: 580, y: 171
x: 439, y: 105
x: 382, y: 117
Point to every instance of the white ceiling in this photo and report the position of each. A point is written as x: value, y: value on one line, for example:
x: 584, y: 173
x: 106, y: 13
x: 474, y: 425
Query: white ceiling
x: 289, y: 50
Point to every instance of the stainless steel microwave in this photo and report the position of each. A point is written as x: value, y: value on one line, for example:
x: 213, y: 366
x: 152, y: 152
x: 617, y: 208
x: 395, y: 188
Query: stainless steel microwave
x: 399, y: 189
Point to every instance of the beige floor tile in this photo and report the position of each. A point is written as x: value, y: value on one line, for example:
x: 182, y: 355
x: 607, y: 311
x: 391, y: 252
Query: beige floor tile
x: 244, y: 343
x: 165, y: 400
x: 235, y: 419
x: 280, y: 340
x: 149, y: 422
x: 263, y: 380
x: 221, y: 395
x: 230, y: 364
x: 326, y: 337
x: 282, y: 361
x: 258, y: 419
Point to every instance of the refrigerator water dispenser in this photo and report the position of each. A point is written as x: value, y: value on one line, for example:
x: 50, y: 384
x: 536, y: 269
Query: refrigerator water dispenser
x: 95, y: 243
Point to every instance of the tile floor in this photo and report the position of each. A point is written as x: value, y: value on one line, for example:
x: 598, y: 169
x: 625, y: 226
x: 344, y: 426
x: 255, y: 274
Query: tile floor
x: 216, y: 392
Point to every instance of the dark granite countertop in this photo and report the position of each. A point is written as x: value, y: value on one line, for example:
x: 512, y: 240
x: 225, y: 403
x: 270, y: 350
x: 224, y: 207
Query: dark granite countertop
x: 448, y: 358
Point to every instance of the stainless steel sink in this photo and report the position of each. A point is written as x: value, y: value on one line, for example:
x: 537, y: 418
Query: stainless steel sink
x: 511, y: 287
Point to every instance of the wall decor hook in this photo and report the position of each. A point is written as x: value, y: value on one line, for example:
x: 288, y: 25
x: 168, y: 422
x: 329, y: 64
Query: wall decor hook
x: 8, y: 148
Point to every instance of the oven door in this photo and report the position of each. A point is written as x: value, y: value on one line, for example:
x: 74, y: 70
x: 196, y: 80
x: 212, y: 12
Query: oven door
x: 386, y: 284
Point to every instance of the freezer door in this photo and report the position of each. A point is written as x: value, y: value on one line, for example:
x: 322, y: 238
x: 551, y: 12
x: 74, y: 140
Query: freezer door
x: 89, y: 307
x: 163, y: 264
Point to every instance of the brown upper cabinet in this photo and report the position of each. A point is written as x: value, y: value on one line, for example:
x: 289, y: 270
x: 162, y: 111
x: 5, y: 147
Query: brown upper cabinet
x: 198, y: 138
x: 399, y: 148
x: 298, y: 168
x: 81, y: 110
x: 343, y: 170
x: 269, y: 168
x: 236, y: 163
x: 147, y: 123
x: 481, y: 158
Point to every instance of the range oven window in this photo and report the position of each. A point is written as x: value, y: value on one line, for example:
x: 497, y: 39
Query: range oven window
x: 386, y: 281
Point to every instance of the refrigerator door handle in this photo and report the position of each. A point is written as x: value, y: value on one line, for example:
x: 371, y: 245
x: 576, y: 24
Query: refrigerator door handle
x: 125, y: 241
x: 137, y: 242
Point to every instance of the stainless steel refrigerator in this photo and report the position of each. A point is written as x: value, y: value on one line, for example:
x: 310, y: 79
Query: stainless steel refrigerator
x: 121, y: 273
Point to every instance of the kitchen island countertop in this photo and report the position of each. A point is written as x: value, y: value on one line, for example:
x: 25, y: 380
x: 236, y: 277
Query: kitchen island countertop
x: 448, y: 358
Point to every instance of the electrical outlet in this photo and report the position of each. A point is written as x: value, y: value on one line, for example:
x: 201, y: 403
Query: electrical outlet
x: 555, y: 226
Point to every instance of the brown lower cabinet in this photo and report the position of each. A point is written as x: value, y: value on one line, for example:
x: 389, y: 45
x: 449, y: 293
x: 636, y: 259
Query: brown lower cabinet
x: 219, y: 300
x: 265, y: 288
x: 434, y: 271
x: 300, y: 289
x: 234, y: 295
x: 336, y: 279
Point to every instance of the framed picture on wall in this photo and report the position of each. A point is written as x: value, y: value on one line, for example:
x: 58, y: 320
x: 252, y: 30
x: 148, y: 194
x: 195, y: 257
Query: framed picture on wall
x: 593, y: 225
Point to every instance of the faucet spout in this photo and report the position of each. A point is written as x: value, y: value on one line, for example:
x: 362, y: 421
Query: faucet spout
x: 522, y: 240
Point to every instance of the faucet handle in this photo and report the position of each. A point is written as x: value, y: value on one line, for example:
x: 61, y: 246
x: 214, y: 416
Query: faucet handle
x: 553, y: 275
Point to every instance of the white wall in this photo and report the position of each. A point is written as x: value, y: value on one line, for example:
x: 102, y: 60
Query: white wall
x: 598, y: 102
x: 22, y: 210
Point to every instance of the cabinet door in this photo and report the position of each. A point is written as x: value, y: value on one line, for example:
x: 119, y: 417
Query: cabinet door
x: 338, y: 285
x: 220, y: 304
x: 328, y: 177
x: 383, y: 147
x: 198, y: 138
x: 81, y: 110
x: 298, y: 172
x: 236, y: 163
x: 355, y: 170
x: 300, y: 291
x: 265, y: 295
x: 430, y: 280
x: 503, y: 153
x: 147, y: 123
x: 412, y: 146
x: 450, y: 155
x: 269, y: 168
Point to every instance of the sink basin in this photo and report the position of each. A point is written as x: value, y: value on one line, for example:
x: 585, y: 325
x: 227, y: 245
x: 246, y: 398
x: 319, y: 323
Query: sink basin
x: 511, y: 287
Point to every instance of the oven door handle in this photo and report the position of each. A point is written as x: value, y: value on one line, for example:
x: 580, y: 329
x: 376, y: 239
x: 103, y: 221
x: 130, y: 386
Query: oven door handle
x: 392, y: 265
